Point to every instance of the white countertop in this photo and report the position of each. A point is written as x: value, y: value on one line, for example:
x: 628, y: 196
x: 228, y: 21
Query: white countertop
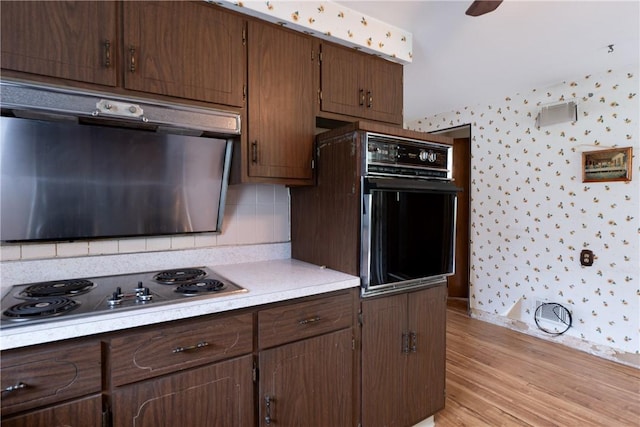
x: 266, y: 282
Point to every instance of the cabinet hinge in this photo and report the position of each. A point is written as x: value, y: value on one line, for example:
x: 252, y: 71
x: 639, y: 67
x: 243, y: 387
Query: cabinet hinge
x: 360, y: 321
x: 319, y: 96
x: 353, y: 343
x: 319, y: 56
x: 244, y: 36
x: 244, y: 92
x: 254, y: 373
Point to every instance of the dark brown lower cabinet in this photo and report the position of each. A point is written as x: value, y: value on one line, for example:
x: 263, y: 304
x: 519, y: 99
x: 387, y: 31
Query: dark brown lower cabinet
x: 218, y: 395
x: 403, y: 357
x: 308, y: 383
x: 85, y: 412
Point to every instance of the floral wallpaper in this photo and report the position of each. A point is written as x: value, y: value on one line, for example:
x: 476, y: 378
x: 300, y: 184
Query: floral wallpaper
x: 333, y: 22
x: 531, y: 213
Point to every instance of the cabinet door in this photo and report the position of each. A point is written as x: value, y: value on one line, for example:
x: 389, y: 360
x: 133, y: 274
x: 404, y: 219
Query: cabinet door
x: 308, y: 383
x: 184, y: 49
x: 219, y: 395
x: 384, y: 91
x: 281, y: 103
x: 79, y: 413
x: 383, y: 361
x: 427, y: 310
x: 342, y: 80
x: 73, y: 40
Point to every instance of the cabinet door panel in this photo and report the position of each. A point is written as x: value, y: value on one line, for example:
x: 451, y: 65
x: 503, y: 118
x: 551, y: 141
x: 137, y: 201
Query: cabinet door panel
x: 383, y: 361
x: 185, y: 49
x: 384, y: 102
x: 427, y: 311
x: 342, y: 81
x: 80, y: 413
x: 309, y: 383
x: 218, y: 395
x: 281, y: 107
x: 49, y: 374
x: 61, y: 39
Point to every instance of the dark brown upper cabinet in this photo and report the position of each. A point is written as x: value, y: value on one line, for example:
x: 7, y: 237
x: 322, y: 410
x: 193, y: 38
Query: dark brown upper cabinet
x: 74, y: 40
x: 190, y: 50
x: 281, y: 118
x: 360, y: 85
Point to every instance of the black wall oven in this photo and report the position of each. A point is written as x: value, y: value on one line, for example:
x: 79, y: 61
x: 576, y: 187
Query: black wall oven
x: 384, y: 208
x: 408, y: 214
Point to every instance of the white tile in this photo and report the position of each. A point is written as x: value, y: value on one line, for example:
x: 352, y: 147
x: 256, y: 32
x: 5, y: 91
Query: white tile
x: 183, y: 242
x: 10, y: 252
x: 264, y: 223
x: 247, y: 194
x: 72, y: 249
x: 281, y: 194
x: 132, y: 245
x: 245, y: 225
x: 103, y: 247
x: 206, y: 240
x: 35, y: 251
x: 158, y: 243
x: 281, y: 222
x: 264, y: 193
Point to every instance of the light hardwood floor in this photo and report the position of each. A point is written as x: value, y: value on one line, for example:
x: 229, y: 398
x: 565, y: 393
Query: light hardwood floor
x: 499, y: 377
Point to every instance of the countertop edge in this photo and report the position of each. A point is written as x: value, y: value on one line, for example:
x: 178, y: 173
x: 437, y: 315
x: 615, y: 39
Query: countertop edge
x: 23, y: 336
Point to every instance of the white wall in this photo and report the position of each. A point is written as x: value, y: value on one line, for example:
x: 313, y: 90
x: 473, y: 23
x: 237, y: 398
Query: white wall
x: 254, y: 214
x: 531, y: 214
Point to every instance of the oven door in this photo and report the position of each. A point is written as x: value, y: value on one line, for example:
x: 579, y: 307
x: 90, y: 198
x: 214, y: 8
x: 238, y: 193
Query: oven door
x: 408, y: 233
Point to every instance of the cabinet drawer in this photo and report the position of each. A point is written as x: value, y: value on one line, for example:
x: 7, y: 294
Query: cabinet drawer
x: 161, y: 350
x: 305, y: 319
x: 38, y: 376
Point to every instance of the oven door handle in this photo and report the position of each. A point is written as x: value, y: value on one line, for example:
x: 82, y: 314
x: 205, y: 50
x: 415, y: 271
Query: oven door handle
x: 374, y: 183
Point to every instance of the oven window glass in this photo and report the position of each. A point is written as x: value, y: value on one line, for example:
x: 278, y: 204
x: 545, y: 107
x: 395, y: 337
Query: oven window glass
x: 412, y: 235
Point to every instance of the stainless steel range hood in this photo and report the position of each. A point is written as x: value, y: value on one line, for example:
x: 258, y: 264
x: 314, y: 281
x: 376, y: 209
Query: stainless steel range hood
x: 86, y: 165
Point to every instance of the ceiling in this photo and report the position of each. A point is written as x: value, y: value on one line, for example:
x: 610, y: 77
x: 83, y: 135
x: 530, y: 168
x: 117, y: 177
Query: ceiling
x: 461, y: 61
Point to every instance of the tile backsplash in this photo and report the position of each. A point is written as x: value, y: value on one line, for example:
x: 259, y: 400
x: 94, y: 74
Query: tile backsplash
x: 254, y: 214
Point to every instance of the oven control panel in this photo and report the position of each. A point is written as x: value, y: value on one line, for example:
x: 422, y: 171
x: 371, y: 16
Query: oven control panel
x: 394, y: 156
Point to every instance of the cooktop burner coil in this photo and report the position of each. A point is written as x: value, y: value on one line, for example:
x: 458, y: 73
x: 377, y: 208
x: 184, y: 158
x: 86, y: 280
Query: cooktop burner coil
x: 42, y: 307
x: 200, y: 287
x: 179, y: 276
x: 66, y: 288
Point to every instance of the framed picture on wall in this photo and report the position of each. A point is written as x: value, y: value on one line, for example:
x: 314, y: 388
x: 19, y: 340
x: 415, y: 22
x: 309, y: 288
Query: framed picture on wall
x: 607, y: 165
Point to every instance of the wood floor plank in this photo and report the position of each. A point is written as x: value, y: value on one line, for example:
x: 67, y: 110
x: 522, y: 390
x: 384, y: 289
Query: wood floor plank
x: 500, y: 377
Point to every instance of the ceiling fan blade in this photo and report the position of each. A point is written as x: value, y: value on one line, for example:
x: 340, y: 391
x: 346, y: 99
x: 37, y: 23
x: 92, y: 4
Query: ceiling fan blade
x: 480, y: 7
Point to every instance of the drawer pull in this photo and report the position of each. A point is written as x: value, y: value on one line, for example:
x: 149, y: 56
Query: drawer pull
x: 201, y: 344
x: 309, y: 320
x: 16, y: 386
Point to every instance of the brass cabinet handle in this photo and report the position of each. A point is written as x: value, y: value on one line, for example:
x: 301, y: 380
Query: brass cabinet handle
x: 361, y: 97
x: 309, y: 320
x: 267, y: 403
x: 201, y: 344
x: 17, y: 386
x: 254, y: 152
x: 132, y: 59
x: 414, y: 341
x: 405, y: 342
x: 107, y: 53
x: 369, y: 99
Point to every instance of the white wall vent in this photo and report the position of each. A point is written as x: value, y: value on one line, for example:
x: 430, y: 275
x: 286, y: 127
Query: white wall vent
x: 557, y: 113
